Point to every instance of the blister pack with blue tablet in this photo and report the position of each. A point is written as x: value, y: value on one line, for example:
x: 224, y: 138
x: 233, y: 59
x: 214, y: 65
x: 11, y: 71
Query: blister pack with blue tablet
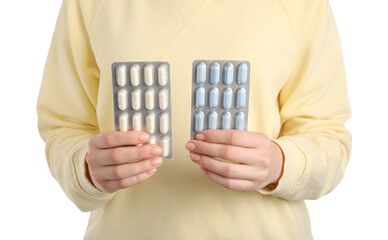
x: 220, y: 95
x: 142, y: 100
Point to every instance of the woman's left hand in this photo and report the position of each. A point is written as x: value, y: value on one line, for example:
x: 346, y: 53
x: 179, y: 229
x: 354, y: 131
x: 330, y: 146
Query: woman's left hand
x: 259, y: 161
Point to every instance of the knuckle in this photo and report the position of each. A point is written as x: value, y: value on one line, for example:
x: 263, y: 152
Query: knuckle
x: 124, y: 183
x: 118, y: 172
x: 143, y: 151
x: 128, y: 136
x: 108, y: 139
x: 139, y: 178
x: 229, y: 184
x: 208, y: 134
x: 136, y: 168
x: 92, y: 141
x: 205, y: 162
x: 89, y: 158
x: 233, y: 137
x: 227, y: 152
x: 115, y: 155
x: 135, y: 153
x: 145, y: 166
x: 266, y: 142
x: 199, y: 147
x: 229, y: 171
x: 265, y: 163
x: 148, y: 164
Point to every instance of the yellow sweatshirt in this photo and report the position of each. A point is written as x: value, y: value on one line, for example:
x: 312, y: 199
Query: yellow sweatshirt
x: 298, y: 98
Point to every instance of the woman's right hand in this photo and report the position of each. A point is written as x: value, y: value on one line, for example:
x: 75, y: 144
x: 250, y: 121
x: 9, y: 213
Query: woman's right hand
x: 114, y: 160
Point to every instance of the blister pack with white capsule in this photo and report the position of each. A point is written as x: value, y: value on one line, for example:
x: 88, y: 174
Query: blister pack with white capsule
x: 220, y: 95
x: 142, y: 100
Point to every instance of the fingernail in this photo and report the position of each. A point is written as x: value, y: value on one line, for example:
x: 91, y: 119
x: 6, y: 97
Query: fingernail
x: 203, y: 170
x: 156, y: 151
x: 152, y: 171
x: 195, y: 157
x: 157, y: 162
x: 143, y: 137
x: 190, y: 146
x: 200, y: 136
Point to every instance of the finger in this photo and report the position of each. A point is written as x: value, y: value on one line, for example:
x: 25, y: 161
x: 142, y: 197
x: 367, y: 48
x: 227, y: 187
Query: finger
x: 229, y: 170
x: 127, y: 170
x: 114, y: 185
x: 231, y: 137
x: 227, y: 152
x: 116, y: 139
x: 120, y: 155
x: 231, y: 183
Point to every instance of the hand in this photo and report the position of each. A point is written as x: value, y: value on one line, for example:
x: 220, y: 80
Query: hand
x: 259, y: 161
x: 113, y: 159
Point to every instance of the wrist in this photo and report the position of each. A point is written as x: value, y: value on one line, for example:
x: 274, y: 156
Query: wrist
x: 87, y: 173
x: 278, y: 160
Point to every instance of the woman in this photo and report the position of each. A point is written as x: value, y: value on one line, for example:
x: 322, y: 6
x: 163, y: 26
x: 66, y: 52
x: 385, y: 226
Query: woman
x: 296, y: 146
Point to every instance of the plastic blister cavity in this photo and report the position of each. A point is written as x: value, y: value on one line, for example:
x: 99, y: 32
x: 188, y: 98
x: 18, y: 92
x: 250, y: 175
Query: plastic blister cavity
x: 220, y: 95
x: 142, y: 100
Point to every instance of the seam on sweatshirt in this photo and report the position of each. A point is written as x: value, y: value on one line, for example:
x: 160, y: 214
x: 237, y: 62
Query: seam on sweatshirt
x: 314, y: 16
x: 290, y: 22
x: 296, y: 46
x: 95, y: 17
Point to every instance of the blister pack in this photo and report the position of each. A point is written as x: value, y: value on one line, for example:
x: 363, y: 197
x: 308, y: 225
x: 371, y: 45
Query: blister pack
x: 142, y: 100
x: 220, y: 95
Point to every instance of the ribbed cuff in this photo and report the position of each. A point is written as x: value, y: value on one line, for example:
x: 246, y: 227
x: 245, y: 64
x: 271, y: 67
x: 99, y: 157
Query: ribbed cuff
x: 84, y: 183
x: 294, y: 166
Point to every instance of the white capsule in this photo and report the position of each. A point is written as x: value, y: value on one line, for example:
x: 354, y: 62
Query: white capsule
x: 163, y: 123
x: 122, y: 99
x: 121, y: 75
x: 152, y: 140
x: 165, y: 144
x: 150, y: 123
x: 149, y: 99
x: 136, y: 121
x: 136, y: 99
x: 162, y: 75
x: 123, y: 122
x: 149, y: 75
x: 135, y: 75
x: 163, y: 99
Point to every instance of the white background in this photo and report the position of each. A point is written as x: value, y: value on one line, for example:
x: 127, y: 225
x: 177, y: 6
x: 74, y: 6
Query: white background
x: 33, y: 206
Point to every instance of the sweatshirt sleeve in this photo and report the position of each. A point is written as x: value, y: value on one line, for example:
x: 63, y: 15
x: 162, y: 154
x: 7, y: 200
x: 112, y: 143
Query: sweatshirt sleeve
x: 313, y: 105
x: 67, y: 106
